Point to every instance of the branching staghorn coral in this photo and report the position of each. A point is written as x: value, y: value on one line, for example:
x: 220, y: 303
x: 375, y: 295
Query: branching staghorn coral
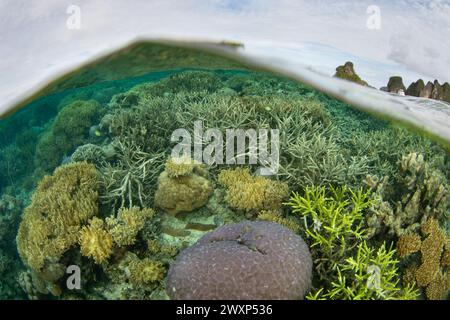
x: 125, y: 227
x: 371, y: 274
x: 429, y: 266
x: 346, y: 266
x: 131, y: 180
x: 252, y: 194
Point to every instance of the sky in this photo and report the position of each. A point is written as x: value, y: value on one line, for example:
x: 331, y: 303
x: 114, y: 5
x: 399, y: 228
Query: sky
x: 409, y: 38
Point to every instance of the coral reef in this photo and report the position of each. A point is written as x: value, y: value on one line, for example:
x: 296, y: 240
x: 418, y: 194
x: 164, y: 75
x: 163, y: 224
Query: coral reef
x: 277, y: 217
x: 61, y: 205
x: 252, y: 194
x: 69, y: 130
x: 249, y: 260
x: 125, y: 227
x: 420, y: 193
x: 146, y: 271
x: 94, y: 211
x: 345, y: 266
x: 182, y: 187
x: 95, y: 242
x: 429, y: 270
x: 90, y: 153
x: 372, y: 274
x: 131, y: 179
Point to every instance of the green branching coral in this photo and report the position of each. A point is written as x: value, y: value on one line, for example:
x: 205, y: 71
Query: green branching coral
x: 346, y: 266
x: 333, y: 221
x: 370, y: 274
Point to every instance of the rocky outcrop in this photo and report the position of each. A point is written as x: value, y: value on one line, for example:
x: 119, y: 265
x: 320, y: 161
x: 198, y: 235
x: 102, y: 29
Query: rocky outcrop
x: 395, y: 85
x: 432, y: 90
x: 415, y: 88
x: 347, y: 72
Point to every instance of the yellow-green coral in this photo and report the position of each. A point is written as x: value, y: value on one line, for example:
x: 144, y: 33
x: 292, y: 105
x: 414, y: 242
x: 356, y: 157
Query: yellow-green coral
x: 275, y: 216
x: 60, y: 206
x: 431, y: 274
x: 368, y: 275
x: 146, y: 271
x: 180, y: 166
x: 408, y: 244
x: 182, y: 190
x: 95, y: 241
x: 128, y: 223
x: 248, y: 193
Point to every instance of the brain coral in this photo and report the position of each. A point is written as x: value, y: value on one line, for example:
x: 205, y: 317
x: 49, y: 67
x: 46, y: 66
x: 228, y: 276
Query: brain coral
x: 248, y: 260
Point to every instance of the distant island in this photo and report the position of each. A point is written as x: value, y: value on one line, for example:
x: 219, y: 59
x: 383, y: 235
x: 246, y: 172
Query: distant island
x: 432, y: 90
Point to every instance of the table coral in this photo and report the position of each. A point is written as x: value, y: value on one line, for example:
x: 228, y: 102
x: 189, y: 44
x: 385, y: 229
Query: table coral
x: 248, y: 193
x: 60, y: 206
x: 182, y: 187
x: 95, y: 241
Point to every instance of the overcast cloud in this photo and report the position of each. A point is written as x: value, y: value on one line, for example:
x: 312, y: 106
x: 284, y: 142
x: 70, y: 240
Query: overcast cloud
x: 412, y: 42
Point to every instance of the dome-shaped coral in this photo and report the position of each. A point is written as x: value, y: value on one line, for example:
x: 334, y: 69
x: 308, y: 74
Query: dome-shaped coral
x: 95, y: 241
x: 182, y: 187
x: 248, y: 260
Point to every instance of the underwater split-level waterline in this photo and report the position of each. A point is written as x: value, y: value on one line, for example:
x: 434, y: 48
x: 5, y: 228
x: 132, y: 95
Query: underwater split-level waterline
x: 165, y: 172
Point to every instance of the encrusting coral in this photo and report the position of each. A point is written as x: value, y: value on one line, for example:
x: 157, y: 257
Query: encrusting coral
x: 95, y: 241
x: 431, y: 273
x: 252, y: 194
x: 125, y: 227
x: 60, y: 206
x: 182, y: 187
